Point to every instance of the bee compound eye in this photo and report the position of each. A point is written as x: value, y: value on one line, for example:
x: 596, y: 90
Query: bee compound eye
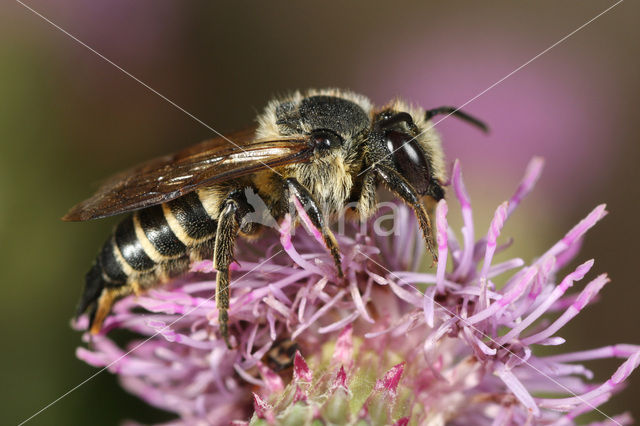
x: 409, y: 159
x: 324, y: 139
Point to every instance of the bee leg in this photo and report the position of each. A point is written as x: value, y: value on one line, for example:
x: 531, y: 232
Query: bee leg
x: 313, y: 211
x: 403, y: 189
x: 102, y: 308
x: 93, y: 287
x: 233, y: 210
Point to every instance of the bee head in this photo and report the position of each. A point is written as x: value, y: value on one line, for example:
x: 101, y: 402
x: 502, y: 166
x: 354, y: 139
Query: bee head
x: 398, y: 140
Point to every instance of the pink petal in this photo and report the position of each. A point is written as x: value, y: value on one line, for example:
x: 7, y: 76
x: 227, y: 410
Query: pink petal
x: 272, y: 381
x: 443, y: 250
x: 531, y: 176
x: 492, y: 236
x: 467, y: 219
x: 557, y: 292
x: 300, y: 395
x: 343, y: 352
x: 301, y: 371
x: 589, y: 292
x: 518, y: 389
x: 340, y: 380
x: 262, y: 409
x: 404, y: 421
x: 391, y: 379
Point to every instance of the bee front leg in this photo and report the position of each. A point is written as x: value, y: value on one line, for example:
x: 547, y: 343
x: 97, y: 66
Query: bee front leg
x: 403, y: 189
x: 317, y: 219
x: 234, y: 208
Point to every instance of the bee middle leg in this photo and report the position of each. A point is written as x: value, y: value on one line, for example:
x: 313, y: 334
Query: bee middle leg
x: 317, y: 219
x: 234, y: 209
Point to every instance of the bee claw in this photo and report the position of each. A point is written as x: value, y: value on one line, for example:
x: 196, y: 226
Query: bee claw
x: 228, y: 342
x: 434, y: 256
x: 342, y: 280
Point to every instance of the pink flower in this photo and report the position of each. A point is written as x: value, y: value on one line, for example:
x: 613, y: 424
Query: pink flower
x: 392, y: 344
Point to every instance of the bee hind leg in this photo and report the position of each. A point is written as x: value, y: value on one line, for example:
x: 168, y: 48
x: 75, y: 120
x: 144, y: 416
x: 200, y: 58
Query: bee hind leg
x: 317, y: 219
x: 234, y: 209
x: 101, y: 309
x: 98, y: 297
x: 94, y: 284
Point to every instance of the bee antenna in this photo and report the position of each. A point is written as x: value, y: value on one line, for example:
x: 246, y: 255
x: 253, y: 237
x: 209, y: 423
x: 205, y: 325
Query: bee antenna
x: 457, y: 113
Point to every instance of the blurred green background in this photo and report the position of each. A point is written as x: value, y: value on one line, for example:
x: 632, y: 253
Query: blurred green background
x: 68, y: 119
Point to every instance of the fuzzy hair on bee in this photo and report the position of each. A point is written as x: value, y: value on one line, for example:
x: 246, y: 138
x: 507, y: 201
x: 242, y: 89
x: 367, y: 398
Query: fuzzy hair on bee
x: 320, y: 149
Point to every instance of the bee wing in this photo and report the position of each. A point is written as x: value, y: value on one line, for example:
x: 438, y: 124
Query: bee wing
x: 209, y: 162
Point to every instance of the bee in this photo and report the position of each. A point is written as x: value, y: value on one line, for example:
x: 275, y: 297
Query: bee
x: 281, y: 355
x: 323, y: 149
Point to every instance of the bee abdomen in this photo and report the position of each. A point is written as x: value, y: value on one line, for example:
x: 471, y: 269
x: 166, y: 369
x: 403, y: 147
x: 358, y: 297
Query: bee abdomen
x: 131, y: 247
x: 107, y: 272
x: 150, y: 246
x: 192, y: 217
x: 157, y: 236
x: 158, y: 232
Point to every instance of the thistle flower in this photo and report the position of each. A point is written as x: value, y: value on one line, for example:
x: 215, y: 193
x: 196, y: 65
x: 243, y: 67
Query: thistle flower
x: 390, y: 344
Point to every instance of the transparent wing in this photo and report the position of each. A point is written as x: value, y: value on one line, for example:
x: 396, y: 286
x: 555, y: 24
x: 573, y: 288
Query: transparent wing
x: 165, y: 178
